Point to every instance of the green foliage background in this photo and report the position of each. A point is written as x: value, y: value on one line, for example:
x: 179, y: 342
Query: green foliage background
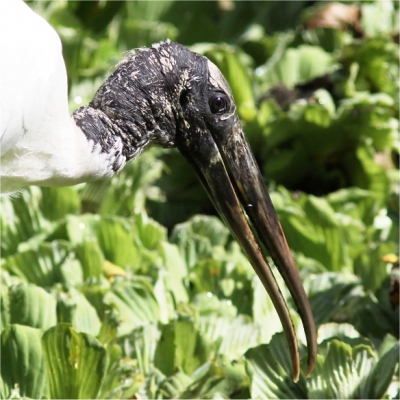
x: 133, y: 288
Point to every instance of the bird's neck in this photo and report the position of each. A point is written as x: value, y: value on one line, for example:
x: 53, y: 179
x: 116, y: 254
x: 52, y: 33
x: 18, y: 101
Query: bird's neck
x: 106, y: 137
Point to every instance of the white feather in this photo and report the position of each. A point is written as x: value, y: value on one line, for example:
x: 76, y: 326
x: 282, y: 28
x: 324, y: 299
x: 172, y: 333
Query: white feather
x: 40, y: 143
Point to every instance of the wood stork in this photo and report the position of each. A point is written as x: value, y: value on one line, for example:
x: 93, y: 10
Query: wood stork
x: 165, y: 95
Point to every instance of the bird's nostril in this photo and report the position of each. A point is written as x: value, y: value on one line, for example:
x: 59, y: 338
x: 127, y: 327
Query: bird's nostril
x: 184, y: 99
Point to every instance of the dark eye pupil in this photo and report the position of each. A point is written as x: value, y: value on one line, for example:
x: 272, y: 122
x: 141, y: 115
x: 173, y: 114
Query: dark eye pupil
x: 218, y: 105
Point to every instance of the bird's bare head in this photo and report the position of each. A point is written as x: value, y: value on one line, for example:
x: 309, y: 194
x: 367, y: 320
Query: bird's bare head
x: 172, y: 97
x: 163, y: 95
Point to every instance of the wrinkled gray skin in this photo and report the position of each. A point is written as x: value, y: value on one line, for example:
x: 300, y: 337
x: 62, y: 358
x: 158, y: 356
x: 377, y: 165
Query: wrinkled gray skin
x: 171, y: 97
x: 143, y: 101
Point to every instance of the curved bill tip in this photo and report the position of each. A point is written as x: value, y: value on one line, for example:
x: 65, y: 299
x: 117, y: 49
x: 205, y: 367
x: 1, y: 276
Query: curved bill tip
x: 228, y: 171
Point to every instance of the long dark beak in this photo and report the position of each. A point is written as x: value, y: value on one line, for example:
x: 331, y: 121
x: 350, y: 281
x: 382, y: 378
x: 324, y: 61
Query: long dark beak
x: 232, y: 179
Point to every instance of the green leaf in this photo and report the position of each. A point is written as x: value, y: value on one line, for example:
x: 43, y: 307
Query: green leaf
x: 82, y: 227
x: 150, y: 232
x: 22, y: 223
x: 175, y: 385
x: 366, y: 173
x: 176, y: 272
x: 4, y: 305
x: 43, y: 266
x: 297, y: 65
x: 145, y: 340
x: 383, y: 372
x: 264, y: 313
x: 116, y: 240
x: 56, y: 202
x: 181, y: 346
x: 196, y: 237
x: 76, y: 363
x: 243, y: 333
x: 271, y: 376
x: 220, y: 378
x: 32, y: 306
x: 91, y: 258
x: 135, y: 302
x: 345, y: 370
x: 126, y: 193
x: 378, y: 17
x: 313, y: 229
x: 74, y: 308
x: 337, y: 331
x: 22, y: 363
x: 333, y: 295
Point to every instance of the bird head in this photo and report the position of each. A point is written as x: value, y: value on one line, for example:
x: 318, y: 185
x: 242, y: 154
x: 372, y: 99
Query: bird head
x: 172, y: 97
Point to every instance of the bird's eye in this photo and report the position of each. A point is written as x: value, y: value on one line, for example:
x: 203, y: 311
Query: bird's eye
x: 218, y: 104
x: 184, y: 99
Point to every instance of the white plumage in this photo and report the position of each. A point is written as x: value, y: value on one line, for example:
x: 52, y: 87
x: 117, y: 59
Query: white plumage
x: 40, y: 142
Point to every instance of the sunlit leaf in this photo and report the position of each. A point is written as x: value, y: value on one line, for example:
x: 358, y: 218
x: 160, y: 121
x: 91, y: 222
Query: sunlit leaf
x: 298, y: 65
x: 22, y: 362
x: 76, y: 363
x: 135, y: 302
x: 269, y: 379
x: 74, y: 308
x: 32, y: 306
x: 181, y: 346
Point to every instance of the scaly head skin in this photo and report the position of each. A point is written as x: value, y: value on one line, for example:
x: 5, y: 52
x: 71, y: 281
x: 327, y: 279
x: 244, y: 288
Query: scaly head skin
x: 172, y: 97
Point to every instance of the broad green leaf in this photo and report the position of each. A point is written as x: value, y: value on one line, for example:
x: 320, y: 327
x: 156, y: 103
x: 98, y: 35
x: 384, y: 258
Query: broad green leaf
x: 74, y: 308
x: 313, y: 229
x: 123, y: 380
x: 144, y: 344
x: 175, y: 385
x: 366, y: 174
x: 333, y: 295
x: 370, y: 266
x: 298, y: 65
x: 32, y: 306
x: 375, y: 317
x: 4, y: 305
x: 56, y: 202
x: 23, y: 225
x: 176, y: 272
x: 337, y: 331
x: 150, y: 232
x: 164, y: 298
x: 82, y: 227
x: 149, y: 390
x: 345, y: 370
x: 91, y: 258
x: 270, y: 376
x: 220, y: 378
x: 377, y: 59
x: 135, y: 302
x: 145, y: 33
x: 22, y: 362
x: 216, y: 316
x: 109, y: 326
x: 383, y: 373
x: 198, y: 236
x: 379, y: 17
x: 116, y: 240
x: 125, y: 194
x: 181, y: 346
x: 43, y: 266
x: 76, y: 363
x: 264, y: 313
